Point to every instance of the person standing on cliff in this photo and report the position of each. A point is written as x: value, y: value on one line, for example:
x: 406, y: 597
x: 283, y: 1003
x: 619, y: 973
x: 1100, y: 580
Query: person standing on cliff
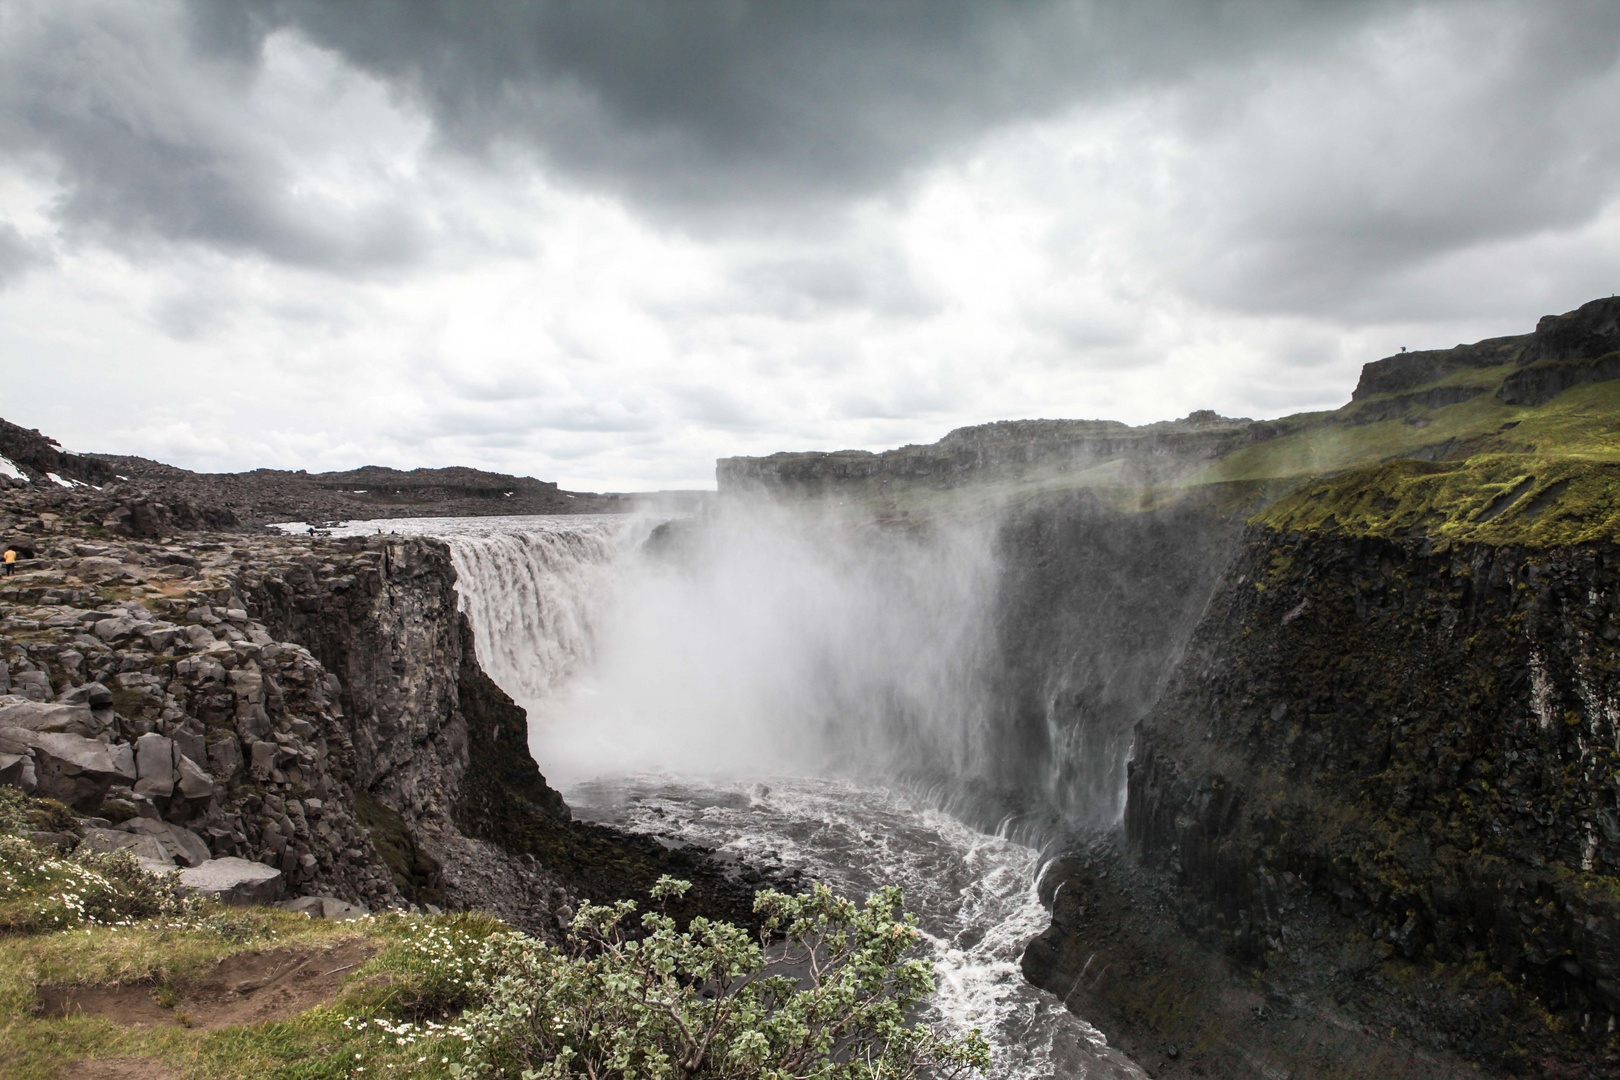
x: 11, y: 561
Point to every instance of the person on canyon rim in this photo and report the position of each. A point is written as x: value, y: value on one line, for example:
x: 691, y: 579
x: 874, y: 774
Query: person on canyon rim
x: 11, y: 561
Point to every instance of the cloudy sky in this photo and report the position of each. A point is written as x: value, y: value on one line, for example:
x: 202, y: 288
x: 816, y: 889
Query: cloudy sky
x: 606, y: 242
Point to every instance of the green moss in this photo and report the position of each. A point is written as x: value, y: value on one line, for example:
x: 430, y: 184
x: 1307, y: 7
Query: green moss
x: 414, y: 871
x: 1531, y: 500
x: 1584, y: 421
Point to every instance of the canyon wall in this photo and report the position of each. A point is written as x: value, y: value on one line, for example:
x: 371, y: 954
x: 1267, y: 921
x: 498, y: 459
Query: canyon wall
x: 1386, y: 771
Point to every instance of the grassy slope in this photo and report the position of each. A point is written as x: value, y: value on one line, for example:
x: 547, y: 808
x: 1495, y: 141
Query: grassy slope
x: 1560, y: 461
x: 314, y: 1045
x: 1542, y: 476
x: 1557, y: 440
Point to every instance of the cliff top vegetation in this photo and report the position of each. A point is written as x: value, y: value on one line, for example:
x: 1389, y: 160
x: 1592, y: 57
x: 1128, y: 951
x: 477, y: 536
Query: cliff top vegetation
x: 101, y: 960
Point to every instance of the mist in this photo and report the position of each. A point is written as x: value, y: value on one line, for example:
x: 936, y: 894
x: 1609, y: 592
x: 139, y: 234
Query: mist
x: 762, y: 640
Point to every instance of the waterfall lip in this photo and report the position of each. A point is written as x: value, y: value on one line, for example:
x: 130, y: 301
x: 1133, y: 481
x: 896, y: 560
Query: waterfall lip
x: 444, y: 528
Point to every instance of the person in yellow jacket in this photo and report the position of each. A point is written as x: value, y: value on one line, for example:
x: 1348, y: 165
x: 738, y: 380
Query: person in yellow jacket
x: 11, y: 561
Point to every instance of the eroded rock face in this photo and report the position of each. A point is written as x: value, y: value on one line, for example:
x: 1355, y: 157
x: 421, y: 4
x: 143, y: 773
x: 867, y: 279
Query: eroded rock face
x: 161, y: 699
x: 1426, y: 742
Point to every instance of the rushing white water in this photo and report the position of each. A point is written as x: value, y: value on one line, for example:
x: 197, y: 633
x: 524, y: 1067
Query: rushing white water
x: 533, y: 587
x: 751, y: 695
x: 972, y: 893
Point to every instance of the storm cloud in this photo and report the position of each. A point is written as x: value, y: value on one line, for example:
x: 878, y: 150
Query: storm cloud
x: 646, y: 233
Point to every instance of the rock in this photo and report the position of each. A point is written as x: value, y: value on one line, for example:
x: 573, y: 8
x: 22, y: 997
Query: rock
x: 72, y: 769
x: 190, y: 743
x: 123, y: 759
x: 154, y: 764
x: 194, y: 782
x: 162, y: 637
x: 33, y: 685
x: 122, y: 807
x: 113, y: 629
x: 143, y: 847
x: 11, y: 768
x: 39, y: 716
x: 324, y: 907
x: 92, y: 694
x: 234, y: 881
x: 225, y: 759
x: 264, y: 759
x: 102, y: 568
x: 183, y: 845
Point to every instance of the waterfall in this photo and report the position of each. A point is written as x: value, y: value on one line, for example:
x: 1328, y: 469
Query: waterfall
x: 532, y: 597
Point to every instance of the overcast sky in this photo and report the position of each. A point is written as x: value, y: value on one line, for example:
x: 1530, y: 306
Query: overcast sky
x: 606, y: 242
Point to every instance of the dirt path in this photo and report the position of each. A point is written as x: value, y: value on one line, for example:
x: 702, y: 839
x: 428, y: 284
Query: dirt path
x: 248, y: 988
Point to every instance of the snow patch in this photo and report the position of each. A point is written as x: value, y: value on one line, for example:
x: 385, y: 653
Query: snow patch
x: 9, y: 468
x: 69, y: 484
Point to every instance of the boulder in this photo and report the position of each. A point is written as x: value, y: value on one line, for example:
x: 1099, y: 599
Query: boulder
x: 33, y: 685
x: 41, y: 716
x: 113, y: 629
x: 11, y: 768
x: 235, y: 881
x: 264, y: 759
x: 324, y: 907
x: 154, y: 765
x: 102, y: 568
x: 148, y: 849
x: 72, y: 769
x: 225, y: 759
x: 123, y: 759
x: 92, y: 694
x: 194, y: 783
x: 182, y: 845
x: 190, y: 743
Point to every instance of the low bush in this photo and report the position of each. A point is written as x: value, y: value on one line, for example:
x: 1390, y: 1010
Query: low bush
x: 40, y: 890
x: 825, y: 991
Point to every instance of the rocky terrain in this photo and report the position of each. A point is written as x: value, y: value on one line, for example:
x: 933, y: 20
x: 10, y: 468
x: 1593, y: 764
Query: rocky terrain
x: 1320, y: 712
x: 140, y: 497
x: 290, y: 717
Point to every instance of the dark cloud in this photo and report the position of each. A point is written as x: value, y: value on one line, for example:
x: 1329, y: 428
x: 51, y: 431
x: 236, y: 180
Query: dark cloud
x: 154, y: 142
x: 723, y: 107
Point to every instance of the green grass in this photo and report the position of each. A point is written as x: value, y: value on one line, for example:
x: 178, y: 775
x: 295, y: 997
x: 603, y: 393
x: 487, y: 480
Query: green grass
x: 410, y: 978
x: 1530, y: 500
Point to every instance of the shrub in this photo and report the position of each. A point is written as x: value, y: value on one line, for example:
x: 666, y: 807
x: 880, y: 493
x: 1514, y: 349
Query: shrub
x: 826, y: 991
